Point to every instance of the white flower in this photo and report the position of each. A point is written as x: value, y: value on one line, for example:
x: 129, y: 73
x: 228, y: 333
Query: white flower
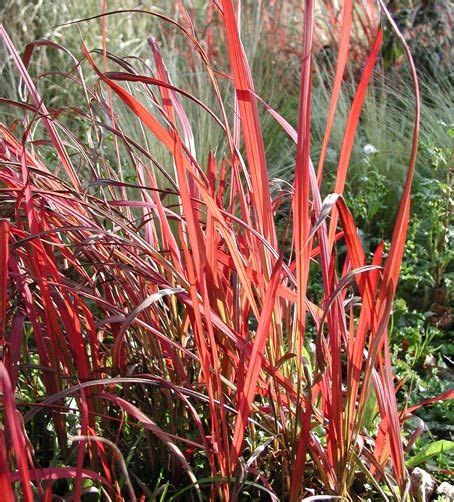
x: 369, y: 149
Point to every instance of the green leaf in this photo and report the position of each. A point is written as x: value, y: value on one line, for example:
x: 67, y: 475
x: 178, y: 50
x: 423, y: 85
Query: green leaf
x: 430, y: 450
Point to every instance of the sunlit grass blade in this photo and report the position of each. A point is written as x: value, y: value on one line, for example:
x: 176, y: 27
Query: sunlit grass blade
x: 250, y: 124
x: 351, y: 127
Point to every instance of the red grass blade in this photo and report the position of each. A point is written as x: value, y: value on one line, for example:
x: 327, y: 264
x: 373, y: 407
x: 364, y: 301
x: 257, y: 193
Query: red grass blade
x: 51, y: 129
x: 247, y: 390
x: 350, y: 128
x: 250, y: 123
x: 16, y: 433
x: 301, y: 229
x: 4, y: 256
x: 150, y: 425
x: 391, y: 274
x: 449, y: 394
x: 344, y: 41
x: 5, y: 475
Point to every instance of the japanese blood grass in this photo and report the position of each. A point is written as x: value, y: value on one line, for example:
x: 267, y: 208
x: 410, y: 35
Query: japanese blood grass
x: 145, y: 294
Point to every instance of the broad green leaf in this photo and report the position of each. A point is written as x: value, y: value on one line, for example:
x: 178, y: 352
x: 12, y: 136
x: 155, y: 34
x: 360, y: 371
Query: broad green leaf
x: 430, y: 450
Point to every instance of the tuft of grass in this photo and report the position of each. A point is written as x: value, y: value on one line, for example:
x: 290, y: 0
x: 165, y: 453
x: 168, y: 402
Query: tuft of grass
x: 154, y: 317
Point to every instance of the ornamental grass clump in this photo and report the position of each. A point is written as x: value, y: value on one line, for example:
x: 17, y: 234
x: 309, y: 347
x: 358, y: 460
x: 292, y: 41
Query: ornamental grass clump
x: 157, y: 336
